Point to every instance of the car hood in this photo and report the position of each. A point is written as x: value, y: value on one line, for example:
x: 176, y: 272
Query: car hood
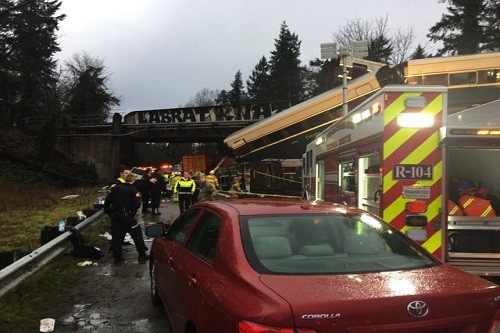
x: 390, y: 301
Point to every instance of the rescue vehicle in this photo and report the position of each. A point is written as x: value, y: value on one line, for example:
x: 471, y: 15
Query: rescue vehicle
x: 432, y: 175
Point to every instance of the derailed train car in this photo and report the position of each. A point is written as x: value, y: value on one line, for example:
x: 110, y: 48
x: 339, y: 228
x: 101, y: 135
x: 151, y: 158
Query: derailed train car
x: 267, y: 177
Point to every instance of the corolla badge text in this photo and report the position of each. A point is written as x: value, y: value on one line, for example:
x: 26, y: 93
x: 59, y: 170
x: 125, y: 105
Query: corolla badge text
x: 321, y: 316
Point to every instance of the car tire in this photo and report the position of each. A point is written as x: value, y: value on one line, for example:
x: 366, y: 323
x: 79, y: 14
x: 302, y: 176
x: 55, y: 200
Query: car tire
x: 154, y: 292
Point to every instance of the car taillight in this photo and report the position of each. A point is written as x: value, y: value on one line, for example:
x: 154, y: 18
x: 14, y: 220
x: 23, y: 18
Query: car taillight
x: 249, y: 327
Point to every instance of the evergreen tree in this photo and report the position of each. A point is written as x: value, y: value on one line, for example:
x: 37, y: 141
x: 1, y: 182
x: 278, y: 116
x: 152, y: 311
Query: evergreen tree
x: 492, y: 18
x: 379, y: 49
x: 286, y: 73
x: 9, y: 84
x: 237, y: 94
x: 419, y: 53
x: 258, y: 82
x: 34, y: 44
x: 89, y: 94
x: 222, y: 98
x: 463, y: 30
x: 323, y: 75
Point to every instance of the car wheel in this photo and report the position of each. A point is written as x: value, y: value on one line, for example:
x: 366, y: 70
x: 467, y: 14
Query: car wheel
x: 154, y: 292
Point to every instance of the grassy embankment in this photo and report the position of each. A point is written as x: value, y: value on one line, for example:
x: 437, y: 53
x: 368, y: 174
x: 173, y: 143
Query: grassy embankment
x: 31, y: 188
x: 25, y: 210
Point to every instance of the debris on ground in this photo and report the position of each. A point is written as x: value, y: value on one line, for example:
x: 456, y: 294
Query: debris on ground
x: 47, y: 324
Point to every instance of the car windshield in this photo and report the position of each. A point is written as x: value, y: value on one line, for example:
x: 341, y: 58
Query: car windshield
x: 328, y: 244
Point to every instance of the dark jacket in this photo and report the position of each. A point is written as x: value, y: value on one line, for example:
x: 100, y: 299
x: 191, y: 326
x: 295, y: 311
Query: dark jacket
x: 123, y: 198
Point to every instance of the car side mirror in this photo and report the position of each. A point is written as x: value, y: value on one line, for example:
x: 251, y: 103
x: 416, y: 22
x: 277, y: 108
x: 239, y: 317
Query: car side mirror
x: 157, y: 230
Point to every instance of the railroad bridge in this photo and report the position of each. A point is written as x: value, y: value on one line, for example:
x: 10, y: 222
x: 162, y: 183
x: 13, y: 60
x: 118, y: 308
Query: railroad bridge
x: 87, y: 138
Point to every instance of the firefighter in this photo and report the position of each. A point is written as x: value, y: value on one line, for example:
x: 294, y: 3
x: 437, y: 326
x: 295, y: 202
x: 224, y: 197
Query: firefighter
x: 185, y: 188
x: 121, y: 204
x: 208, y: 192
x: 211, y: 178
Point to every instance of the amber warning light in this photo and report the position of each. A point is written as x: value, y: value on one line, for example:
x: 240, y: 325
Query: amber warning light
x: 473, y: 131
x: 416, y: 206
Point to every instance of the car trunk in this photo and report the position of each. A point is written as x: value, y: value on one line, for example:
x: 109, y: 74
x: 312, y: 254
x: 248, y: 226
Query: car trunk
x: 390, y: 302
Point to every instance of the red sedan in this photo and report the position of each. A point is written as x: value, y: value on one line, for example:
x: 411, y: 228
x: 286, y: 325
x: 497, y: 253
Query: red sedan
x: 254, y: 265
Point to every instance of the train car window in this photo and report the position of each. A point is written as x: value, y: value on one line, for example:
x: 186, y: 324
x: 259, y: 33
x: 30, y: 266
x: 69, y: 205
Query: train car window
x: 493, y: 76
x: 457, y: 79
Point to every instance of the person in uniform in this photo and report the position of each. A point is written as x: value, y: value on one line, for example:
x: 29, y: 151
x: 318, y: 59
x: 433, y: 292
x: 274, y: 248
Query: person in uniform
x: 124, y: 171
x: 185, y: 188
x: 157, y: 187
x: 121, y: 204
x: 211, y: 178
x: 196, y: 178
x: 208, y: 192
x: 235, y: 188
x: 176, y: 176
x: 144, y: 186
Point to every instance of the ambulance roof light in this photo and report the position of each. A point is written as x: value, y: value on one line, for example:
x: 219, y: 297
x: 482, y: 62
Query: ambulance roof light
x: 415, y: 120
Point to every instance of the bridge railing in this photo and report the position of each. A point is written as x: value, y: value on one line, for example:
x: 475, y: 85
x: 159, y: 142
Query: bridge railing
x: 67, y: 120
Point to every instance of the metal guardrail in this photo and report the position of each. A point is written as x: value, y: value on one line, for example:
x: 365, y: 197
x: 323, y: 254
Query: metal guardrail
x: 12, y: 275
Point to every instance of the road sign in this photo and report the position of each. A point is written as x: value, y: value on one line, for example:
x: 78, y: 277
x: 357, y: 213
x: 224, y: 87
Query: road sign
x: 360, y: 49
x: 328, y: 50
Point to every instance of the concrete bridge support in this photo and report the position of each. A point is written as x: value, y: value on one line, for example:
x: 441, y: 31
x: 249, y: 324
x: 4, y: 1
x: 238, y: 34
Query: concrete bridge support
x: 105, y: 150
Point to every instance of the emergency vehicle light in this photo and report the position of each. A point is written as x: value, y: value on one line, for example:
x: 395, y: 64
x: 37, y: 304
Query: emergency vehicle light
x: 319, y: 140
x: 488, y: 132
x: 356, y: 118
x: 473, y: 131
x: 415, y: 120
x: 366, y: 114
x: 416, y: 207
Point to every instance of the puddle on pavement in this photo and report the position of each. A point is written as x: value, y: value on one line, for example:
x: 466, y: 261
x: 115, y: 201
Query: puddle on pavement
x: 87, y: 321
x: 92, y: 322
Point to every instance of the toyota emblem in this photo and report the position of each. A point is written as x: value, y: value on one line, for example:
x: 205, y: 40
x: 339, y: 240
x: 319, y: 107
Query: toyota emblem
x: 418, y: 308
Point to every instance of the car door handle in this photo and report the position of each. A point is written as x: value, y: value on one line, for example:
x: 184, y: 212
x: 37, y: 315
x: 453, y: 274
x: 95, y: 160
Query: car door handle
x: 192, y: 280
x: 171, y: 262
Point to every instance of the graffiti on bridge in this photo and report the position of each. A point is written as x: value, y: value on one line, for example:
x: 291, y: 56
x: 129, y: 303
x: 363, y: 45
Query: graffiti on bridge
x: 219, y: 113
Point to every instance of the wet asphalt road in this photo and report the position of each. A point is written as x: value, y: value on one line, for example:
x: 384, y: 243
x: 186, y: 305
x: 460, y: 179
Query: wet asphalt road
x: 116, y: 298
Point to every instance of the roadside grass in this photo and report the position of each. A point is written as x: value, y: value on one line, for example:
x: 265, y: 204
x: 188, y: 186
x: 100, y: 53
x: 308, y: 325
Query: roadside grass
x: 42, y: 294
x: 26, y: 209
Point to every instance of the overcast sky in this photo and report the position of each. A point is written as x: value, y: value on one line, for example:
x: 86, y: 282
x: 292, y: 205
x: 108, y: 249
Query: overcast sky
x: 160, y: 53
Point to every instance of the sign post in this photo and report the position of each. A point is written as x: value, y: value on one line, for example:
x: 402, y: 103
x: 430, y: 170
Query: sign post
x: 344, y: 52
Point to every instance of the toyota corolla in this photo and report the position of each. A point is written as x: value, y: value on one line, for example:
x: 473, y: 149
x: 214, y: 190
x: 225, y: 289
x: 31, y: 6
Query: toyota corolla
x: 277, y: 266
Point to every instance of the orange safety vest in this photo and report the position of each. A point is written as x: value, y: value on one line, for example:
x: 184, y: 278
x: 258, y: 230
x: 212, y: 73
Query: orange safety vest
x: 475, y: 206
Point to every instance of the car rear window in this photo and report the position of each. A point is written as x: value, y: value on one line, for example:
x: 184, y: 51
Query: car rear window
x: 328, y: 244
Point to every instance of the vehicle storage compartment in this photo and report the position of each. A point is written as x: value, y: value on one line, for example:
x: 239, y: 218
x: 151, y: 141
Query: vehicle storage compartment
x: 474, y: 230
